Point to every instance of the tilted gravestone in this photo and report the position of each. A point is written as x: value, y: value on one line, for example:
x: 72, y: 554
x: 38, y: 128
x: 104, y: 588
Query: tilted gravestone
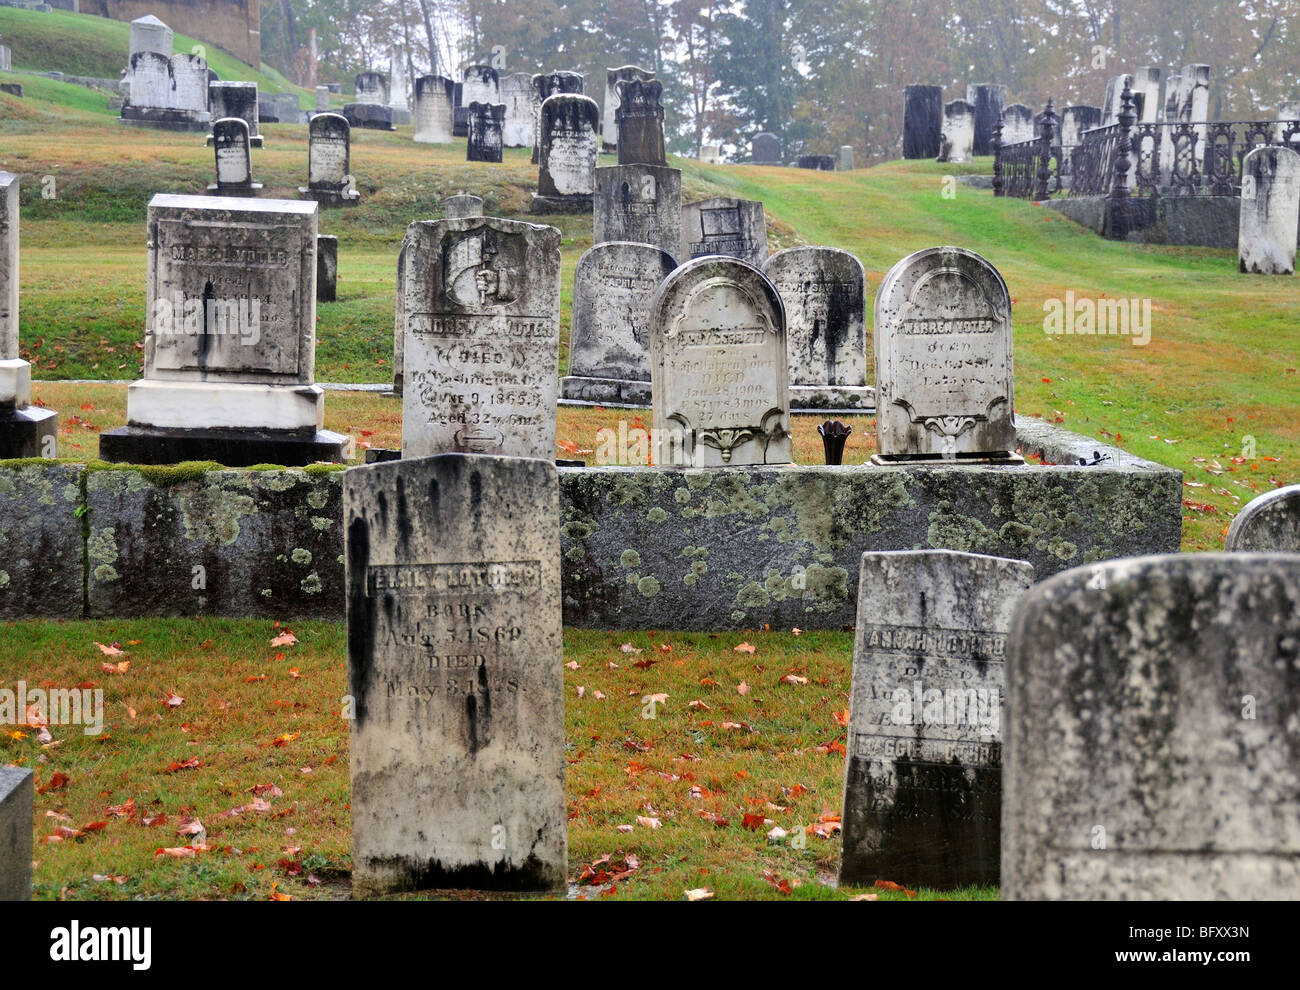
x: 1270, y: 522
x: 718, y: 367
x: 943, y: 359
x: 923, y: 774
x: 958, y: 131
x: 329, y: 161
x: 824, y: 293
x: 988, y: 99
x: 609, y: 118
x: 641, y: 203
x: 1017, y: 124
x: 546, y: 84
x: 922, y: 121
x: 455, y: 674
x: 482, y: 336
x: 485, y: 123
x: 1152, y: 731
x: 614, y: 286
x: 461, y: 206
x: 434, y: 96
x: 234, y: 164
x: 641, y: 123
x: 722, y: 225
x: 517, y: 96
x: 25, y: 430
x: 327, y: 267
x: 230, y: 339
x: 566, y: 174
x: 17, y: 813
x: 765, y: 149
x: 236, y: 99
x: 1270, y: 211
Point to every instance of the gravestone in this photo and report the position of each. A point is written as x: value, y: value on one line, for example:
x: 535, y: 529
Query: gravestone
x: 641, y: 203
x: 399, y: 322
x: 566, y: 174
x: 169, y: 92
x: 6, y: 62
x: 818, y: 163
x: 1288, y: 119
x: 480, y: 84
x: 481, y: 352
x: 765, y: 149
x: 460, y: 114
x: 722, y: 225
x: 329, y: 161
x: 485, y: 123
x: 149, y: 34
x: 609, y: 119
x: 455, y: 670
x: 922, y: 121
x: 234, y: 165
x: 371, y: 88
x: 1074, y: 121
x: 25, y: 430
x: 235, y: 99
x: 846, y: 158
x: 711, y: 154
x: 279, y: 108
x: 1270, y: 209
x: 230, y: 338
x: 1146, y: 93
x: 371, y: 116
x: 988, y: 99
x: 1113, y: 102
x: 1192, y: 96
x: 459, y: 207
x: 327, y: 267
x: 433, y: 115
x: 17, y: 813
x: 1017, y: 124
x: 1270, y: 522
x: 641, y: 123
x: 517, y: 95
x: 399, y: 89
x: 824, y: 293
x: 923, y: 774
x: 322, y: 99
x: 959, y: 130
x: 718, y: 367
x: 1152, y: 731
x: 547, y: 84
x: 609, y: 342
x: 943, y: 360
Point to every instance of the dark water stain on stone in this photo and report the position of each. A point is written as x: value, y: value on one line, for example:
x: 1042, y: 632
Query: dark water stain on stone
x: 361, y: 614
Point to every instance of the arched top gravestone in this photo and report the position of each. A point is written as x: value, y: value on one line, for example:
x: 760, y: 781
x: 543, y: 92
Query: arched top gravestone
x: 1270, y: 522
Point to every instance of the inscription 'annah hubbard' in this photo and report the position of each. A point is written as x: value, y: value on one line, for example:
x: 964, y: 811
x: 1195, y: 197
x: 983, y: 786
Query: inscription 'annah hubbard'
x: 417, y: 579
x: 936, y: 642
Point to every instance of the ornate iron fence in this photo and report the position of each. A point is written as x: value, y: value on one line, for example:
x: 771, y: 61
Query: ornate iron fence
x: 1028, y: 169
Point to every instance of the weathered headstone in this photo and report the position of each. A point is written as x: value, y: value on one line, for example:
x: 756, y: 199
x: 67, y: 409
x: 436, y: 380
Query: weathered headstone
x: 1017, y: 124
x: 923, y: 774
x: 640, y: 115
x: 371, y: 116
x: 1288, y: 119
x: 943, y: 359
x: 236, y: 99
x: 230, y: 339
x: 609, y: 119
x: 399, y: 321
x: 824, y: 293
x: 25, y: 430
x: 1111, y: 106
x: 459, y: 114
x: 722, y: 225
x: 517, y: 96
x: 322, y: 99
x: 461, y: 206
x: 846, y: 158
x: 609, y: 342
x: 1270, y: 211
x: 485, y: 123
x: 1146, y: 93
x: 149, y: 34
x: 566, y: 174
x: 1193, y: 96
x: 166, y: 91
x: 765, y: 149
x: 17, y: 813
x: 481, y: 353
x: 329, y: 161
x: 327, y: 267
x: 711, y: 154
x: 818, y: 163
x: 455, y: 671
x: 399, y: 97
x: 718, y: 367
x: 988, y: 99
x: 434, y: 110
x: 548, y: 84
x: 480, y: 84
x: 640, y: 203
x: 959, y: 130
x: 279, y: 108
x: 372, y: 88
x: 6, y: 61
x: 234, y: 165
x: 922, y: 121
x: 1270, y: 522
x: 1152, y: 731
x: 1074, y: 121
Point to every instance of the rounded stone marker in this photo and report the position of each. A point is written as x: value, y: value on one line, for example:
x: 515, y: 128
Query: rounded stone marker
x: 1270, y: 523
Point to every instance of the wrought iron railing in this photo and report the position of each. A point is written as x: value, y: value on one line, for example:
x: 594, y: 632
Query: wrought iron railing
x: 1028, y: 169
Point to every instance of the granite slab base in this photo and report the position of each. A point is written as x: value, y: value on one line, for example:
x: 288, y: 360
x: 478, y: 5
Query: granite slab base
x: 232, y: 448
x: 560, y: 204
x: 30, y: 432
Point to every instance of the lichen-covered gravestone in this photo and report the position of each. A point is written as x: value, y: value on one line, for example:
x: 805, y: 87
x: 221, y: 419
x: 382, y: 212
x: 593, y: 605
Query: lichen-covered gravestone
x: 547, y: 84
x: 234, y: 165
x: 609, y: 118
x: 517, y: 97
x: 640, y: 203
x: 1270, y: 211
x: 16, y: 817
x: 923, y: 777
x: 1270, y: 522
x: 566, y: 176
x: 1152, y: 732
x: 959, y: 130
x: 482, y: 336
x: 25, y: 431
x: 641, y: 123
x: 480, y: 84
x: 327, y: 267
x: 943, y: 359
x: 461, y: 206
x: 485, y: 123
x: 455, y: 674
x: 722, y: 225
x: 609, y: 349
x: 434, y: 109
x: 329, y: 161
x: 718, y: 367
x: 824, y: 292
x: 1017, y: 124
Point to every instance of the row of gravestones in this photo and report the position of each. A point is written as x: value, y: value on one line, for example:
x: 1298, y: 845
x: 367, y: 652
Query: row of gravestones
x: 765, y: 149
x: 329, y: 160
